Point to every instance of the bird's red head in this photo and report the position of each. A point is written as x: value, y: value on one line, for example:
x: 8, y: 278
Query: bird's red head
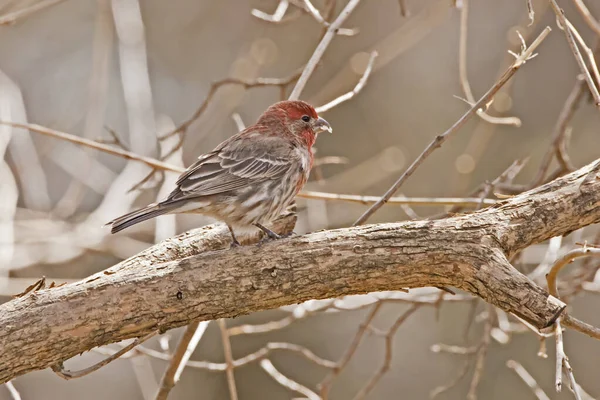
x: 300, y: 119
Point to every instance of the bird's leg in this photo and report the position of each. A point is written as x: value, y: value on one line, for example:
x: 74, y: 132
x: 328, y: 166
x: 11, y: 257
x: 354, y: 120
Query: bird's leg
x: 270, y: 235
x: 234, y: 242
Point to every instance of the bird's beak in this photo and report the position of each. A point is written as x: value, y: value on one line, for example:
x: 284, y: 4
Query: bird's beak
x: 320, y: 125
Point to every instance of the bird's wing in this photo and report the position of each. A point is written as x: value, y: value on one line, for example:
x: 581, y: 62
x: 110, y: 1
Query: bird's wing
x: 234, y: 165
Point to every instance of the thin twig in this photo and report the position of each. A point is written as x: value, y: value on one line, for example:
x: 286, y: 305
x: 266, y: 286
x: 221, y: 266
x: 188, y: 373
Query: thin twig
x: 308, y: 7
x: 564, y: 25
x: 246, y: 84
x: 66, y: 374
x: 152, y: 162
x: 258, y: 355
x: 359, y: 86
x: 587, y: 16
x: 563, y: 261
x: 525, y: 55
x: 444, y: 388
x: 530, y: 12
x: 283, y: 380
x: 389, y: 347
x: 528, y: 379
x: 588, y: 52
x: 277, y: 16
x: 459, y: 350
x: 481, y: 355
x: 14, y: 393
x: 189, y: 340
x: 462, y: 70
x: 11, y: 18
x: 228, y: 359
x: 564, y: 118
x: 326, y: 383
x: 413, y: 201
x: 560, y: 356
x: 320, y: 50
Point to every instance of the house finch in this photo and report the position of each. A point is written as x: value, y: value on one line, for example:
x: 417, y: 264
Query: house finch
x: 250, y: 178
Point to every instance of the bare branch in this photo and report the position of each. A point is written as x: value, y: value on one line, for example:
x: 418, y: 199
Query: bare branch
x: 531, y: 14
x: 564, y: 118
x: 462, y: 69
x: 440, y: 139
x: 192, y: 335
x: 14, y: 393
x: 359, y: 86
x: 11, y: 18
x: 320, y: 50
x: 228, y: 360
x: 481, y: 356
x: 387, y: 360
x: 587, y: 16
x: 283, y: 380
x: 528, y: 379
x: 565, y: 26
x: 325, y: 385
x: 60, y: 370
x: 179, y: 281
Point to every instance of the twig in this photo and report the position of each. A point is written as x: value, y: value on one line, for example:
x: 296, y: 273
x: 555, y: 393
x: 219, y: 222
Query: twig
x: 528, y: 379
x: 578, y: 325
x: 246, y: 84
x: 387, y: 361
x: 563, y: 261
x: 359, y: 86
x: 152, y: 162
x: 14, y: 393
x: 588, y: 52
x: 459, y: 350
x: 587, y: 16
x: 462, y: 70
x: 481, y: 355
x: 307, y: 6
x: 66, y: 374
x: 325, y: 384
x: 560, y: 356
x: 320, y: 50
x: 228, y: 360
x: 531, y: 14
x: 300, y: 312
x: 564, y: 25
x: 283, y: 380
x: 189, y: 340
x: 444, y: 388
x: 564, y: 118
x: 525, y: 55
x: 12, y: 17
x: 258, y: 355
x: 277, y: 16
x: 413, y: 201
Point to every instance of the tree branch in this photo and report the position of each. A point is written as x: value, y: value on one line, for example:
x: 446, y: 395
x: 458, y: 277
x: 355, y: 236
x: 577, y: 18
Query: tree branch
x: 191, y: 277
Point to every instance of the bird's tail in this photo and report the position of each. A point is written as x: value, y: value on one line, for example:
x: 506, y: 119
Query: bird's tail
x: 134, y: 217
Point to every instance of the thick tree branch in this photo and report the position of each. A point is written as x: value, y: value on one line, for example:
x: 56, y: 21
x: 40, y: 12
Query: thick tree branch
x: 190, y: 277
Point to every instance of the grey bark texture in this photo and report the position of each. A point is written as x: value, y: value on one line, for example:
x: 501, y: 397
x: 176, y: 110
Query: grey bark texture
x: 195, y: 276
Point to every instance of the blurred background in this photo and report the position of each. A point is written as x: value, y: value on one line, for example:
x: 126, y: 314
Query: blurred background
x: 128, y: 72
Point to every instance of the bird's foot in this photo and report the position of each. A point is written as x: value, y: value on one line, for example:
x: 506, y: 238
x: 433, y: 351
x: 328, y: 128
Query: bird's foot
x: 234, y: 244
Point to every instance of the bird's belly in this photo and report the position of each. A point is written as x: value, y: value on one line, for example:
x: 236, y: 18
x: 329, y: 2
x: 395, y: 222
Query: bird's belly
x: 259, y: 204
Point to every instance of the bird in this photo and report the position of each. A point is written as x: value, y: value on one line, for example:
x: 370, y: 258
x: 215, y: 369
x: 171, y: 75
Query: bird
x: 248, y: 180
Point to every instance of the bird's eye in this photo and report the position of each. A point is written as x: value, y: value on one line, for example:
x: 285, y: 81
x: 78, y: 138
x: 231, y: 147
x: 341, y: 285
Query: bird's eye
x: 305, y: 118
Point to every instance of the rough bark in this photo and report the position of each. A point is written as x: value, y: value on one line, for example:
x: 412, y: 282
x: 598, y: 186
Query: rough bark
x: 191, y: 277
